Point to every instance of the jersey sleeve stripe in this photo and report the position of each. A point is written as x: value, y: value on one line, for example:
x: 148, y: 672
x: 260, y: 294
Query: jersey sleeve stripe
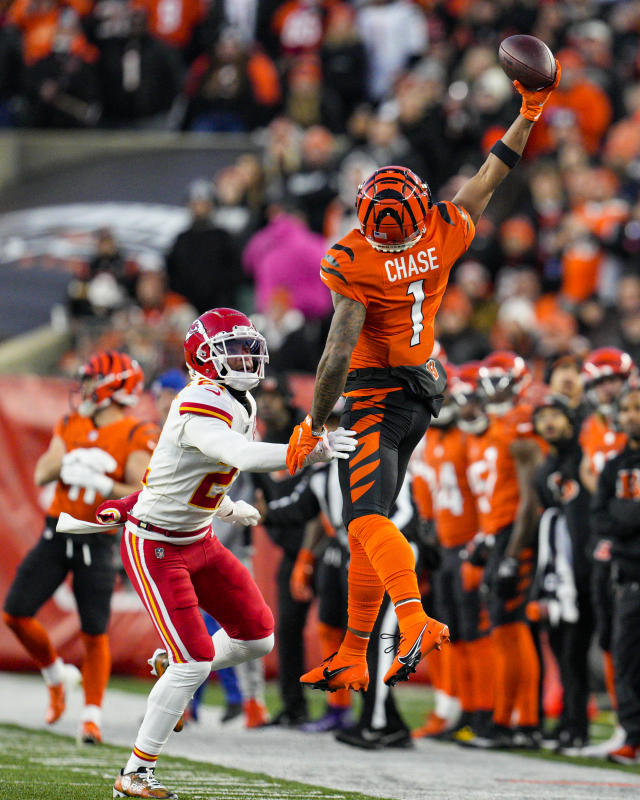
x: 199, y: 409
x: 444, y: 213
x: 335, y: 272
x: 346, y: 250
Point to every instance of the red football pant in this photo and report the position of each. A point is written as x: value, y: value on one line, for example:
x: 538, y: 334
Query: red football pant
x: 173, y: 581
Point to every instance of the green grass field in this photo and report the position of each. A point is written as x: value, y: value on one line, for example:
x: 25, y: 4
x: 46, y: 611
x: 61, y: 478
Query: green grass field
x: 37, y: 765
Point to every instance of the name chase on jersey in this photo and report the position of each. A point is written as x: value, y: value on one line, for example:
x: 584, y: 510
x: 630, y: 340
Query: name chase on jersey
x: 404, y: 267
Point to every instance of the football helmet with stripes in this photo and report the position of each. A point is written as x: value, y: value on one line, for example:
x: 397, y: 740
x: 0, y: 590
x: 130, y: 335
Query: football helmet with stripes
x: 224, y: 345
x: 109, y: 377
x: 392, y: 206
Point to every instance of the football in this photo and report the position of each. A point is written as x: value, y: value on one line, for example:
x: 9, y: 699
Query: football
x: 528, y: 60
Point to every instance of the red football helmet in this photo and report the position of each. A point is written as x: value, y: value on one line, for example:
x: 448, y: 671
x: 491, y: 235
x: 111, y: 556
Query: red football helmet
x: 392, y: 206
x: 604, y: 362
x: 222, y: 334
x: 109, y: 377
x: 502, y: 376
x: 600, y: 365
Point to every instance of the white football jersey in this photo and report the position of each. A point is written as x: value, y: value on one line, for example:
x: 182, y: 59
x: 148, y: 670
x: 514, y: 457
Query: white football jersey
x: 183, y: 487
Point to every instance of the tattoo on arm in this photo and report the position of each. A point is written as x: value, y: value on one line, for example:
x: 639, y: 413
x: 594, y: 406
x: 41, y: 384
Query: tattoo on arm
x: 347, y: 322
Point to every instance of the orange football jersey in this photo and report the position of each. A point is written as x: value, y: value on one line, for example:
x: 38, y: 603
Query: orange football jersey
x: 119, y: 439
x: 454, y: 509
x: 492, y: 469
x: 600, y: 442
x: 401, y: 291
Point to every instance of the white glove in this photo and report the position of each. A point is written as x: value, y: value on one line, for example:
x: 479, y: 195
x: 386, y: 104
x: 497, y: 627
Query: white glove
x: 92, y: 457
x: 335, y: 444
x: 238, y: 513
x: 79, y: 476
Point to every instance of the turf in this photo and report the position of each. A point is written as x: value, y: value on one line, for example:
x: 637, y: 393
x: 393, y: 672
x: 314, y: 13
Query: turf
x: 38, y: 765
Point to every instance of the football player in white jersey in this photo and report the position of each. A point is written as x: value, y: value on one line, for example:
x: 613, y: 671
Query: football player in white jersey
x: 169, y: 550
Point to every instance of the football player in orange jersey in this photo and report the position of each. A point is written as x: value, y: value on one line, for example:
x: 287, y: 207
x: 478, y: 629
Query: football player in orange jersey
x: 604, y: 373
x: 502, y: 460
x: 444, y: 462
x: 387, y: 280
x: 97, y: 451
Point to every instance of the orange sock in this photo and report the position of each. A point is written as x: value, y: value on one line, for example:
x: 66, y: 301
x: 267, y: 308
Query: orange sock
x: 392, y: 558
x: 463, y: 687
x: 482, y: 668
x: 528, y: 695
x: 96, y: 668
x: 330, y: 641
x: 434, y: 668
x: 507, y: 669
x: 33, y: 638
x: 365, y: 596
x: 610, y: 678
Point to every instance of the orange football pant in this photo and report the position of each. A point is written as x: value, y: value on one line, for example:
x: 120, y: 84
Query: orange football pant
x: 96, y: 668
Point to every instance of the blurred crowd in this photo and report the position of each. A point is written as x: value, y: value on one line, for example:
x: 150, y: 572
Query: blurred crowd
x: 328, y: 91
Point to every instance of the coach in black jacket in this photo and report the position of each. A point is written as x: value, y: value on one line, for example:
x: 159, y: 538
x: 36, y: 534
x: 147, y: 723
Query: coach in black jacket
x: 558, y: 486
x: 616, y: 515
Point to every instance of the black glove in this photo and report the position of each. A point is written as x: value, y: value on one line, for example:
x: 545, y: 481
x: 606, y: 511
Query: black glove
x: 507, y: 578
x: 479, y: 549
x: 429, y: 549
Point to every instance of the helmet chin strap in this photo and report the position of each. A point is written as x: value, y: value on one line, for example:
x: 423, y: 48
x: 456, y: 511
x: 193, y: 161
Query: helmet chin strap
x: 241, y: 382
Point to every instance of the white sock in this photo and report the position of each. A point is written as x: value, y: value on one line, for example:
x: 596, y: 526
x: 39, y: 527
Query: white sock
x: 54, y: 674
x: 165, y: 705
x: 446, y: 707
x: 92, y: 714
x: 230, y: 652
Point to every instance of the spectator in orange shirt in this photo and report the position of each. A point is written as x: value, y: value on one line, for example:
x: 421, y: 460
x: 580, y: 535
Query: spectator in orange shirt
x: 38, y: 21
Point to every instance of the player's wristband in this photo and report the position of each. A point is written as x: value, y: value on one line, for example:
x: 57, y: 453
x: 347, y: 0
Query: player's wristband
x: 505, y: 154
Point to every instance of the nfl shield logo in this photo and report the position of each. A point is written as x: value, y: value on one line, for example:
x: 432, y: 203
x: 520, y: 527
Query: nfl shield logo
x: 159, y: 551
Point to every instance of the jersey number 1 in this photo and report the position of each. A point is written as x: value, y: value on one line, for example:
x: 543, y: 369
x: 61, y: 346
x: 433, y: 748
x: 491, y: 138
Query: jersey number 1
x: 416, y: 289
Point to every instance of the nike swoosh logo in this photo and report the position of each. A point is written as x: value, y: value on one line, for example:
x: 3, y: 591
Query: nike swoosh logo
x: 328, y: 674
x: 415, y: 650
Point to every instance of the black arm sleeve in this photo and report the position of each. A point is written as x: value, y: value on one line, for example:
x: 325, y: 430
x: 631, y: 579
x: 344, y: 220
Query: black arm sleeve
x: 295, y: 509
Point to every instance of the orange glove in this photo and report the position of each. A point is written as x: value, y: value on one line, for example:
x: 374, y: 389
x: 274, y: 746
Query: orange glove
x: 534, y: 100
x: 471, y: 576
x: 301, y: 443
x: 301, y: 580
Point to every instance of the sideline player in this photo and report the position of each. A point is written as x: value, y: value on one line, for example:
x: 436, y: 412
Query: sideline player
x: 441, y: 481
x: 503, y: 455
x: 172, y: 557
x: 387, y: 280
x: 98, y: 451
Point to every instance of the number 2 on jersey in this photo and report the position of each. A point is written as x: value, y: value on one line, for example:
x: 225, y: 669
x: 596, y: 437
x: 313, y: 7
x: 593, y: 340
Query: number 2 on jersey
x: 417, y: 290
x: 208, y: 494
